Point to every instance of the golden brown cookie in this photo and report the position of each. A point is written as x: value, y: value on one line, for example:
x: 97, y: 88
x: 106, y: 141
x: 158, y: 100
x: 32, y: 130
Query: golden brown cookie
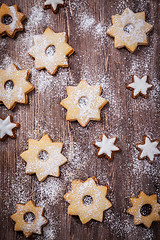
x: 54, y: 5
x: 87, y: 200
x: 138, y: 204
x: 10, y: 20
x: 29, y: 227
x: 83, y: 103
x: 7, y: 127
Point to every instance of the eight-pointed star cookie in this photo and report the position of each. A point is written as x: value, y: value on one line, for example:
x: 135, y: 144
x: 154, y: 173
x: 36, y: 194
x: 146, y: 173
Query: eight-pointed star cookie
x: 148, y: 149
x: 54, y: 4
x: 17, y: 94
x: 29, y: 227
x: 87, y: 210
x: 51, y: 61
x: 50, y: 163
x: 129, y: 30
x: 13, y: 24
x: 83, y: 103
x: 106, y: 147
x: 139, y: 86
x: 7, y: 127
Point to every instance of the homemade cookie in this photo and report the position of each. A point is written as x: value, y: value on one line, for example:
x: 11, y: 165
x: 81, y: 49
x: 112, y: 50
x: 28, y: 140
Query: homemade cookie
x: 44, y: 157
x: 83, y: 103
x: 54, y: 4
x: 106, y: 147
x: 129, y: 30
x: 139, y: 86
x: 7, y: 127
x: 10, y: 20
x: 148, y: 149
x: 137, y: 208
x: 32, y: 224
x: 14, y: 86
x: 50, y: 50
x: 87, y: 200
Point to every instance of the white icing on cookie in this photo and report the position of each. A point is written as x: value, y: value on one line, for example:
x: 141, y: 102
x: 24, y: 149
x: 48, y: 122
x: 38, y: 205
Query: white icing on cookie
x: 6, y: 127
x: 139, y: 85
x: 54, y: 3
x: 149, y: 148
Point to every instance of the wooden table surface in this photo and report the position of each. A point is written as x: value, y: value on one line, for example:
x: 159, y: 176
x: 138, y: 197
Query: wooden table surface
x: 96, y: 60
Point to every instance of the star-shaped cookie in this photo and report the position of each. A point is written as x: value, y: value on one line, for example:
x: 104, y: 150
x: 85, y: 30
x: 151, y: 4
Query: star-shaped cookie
x: 47, y: 165
x: 129, y: 30
x: 51, y: 61
x: 106, y: 147
x: 83, y: 103
x: 7, y: 127
x: 148, y: 149
x: 17, y: 94
x: 139, y: 86
x: 54, y: 4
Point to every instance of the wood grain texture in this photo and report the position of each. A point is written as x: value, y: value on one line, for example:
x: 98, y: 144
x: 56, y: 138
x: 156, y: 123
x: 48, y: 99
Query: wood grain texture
x: 96, y: 60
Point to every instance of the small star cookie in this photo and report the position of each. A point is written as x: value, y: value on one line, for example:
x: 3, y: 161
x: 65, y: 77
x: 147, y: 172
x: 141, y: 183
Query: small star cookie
x: 44, y: 157
x: 148, y: 149
x: 56, y: 57
x: 87, y: 200
x: 129, y: 30
x: 54, y: 4
x: 14, y: 86
x: 139, y: 86
x: 10, y: 20
x: 34, y: 225
x: 83, y: 103
x: 106, y: 147
x: 138, y: 204
x: 7, y: 127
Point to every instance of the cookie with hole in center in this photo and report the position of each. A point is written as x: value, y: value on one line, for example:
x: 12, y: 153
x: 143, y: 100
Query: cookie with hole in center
x: 7, y: 127
x: 54, y: 5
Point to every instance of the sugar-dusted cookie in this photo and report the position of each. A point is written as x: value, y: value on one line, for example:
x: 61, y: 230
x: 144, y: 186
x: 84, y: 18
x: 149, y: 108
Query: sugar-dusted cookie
x: 14, y: 86
x: 29, y: 219
x: 140, y: 212
x: 83, y: 103
x: 54, y: 4
x: 10, y: 20
x: 87, y: 200
x: 148, y: 149
x: 139, y: 86
x: 44, y: 157
x: 7, y: 127
x: 106, y: 147
x: 50, y: 51
x: 129, y: 30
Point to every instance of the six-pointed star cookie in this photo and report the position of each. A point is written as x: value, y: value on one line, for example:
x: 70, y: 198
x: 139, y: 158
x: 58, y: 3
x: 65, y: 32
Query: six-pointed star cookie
x: 44, y: 157
x: 7, y: 127
x: 129, y: 30
x: 138, y: 204
x: 54, y: 4
x: 87, y: 210
x: 13, y: 24
x: 83, y: 103
x: 139, y: 86
x: 29, y: 227
x: 148, y: 149
x: 106, y: 147
x: 51, y: 61
x: 18, y: 80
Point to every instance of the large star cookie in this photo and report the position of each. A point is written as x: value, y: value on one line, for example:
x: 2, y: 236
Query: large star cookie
x: 139, y: 86
x: 7, y: 127
x: 83, y: 103
x: 14, y: 86
x: 129, y: 30
x: 50, y: 50
x: 87, y: 200
x: 148, y: 149
x: 106, y: 147
x: 138, y: 207
x: 44, y: 157
x: 29, y: 219
x: 10, y: 20
x: 54, y: 4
